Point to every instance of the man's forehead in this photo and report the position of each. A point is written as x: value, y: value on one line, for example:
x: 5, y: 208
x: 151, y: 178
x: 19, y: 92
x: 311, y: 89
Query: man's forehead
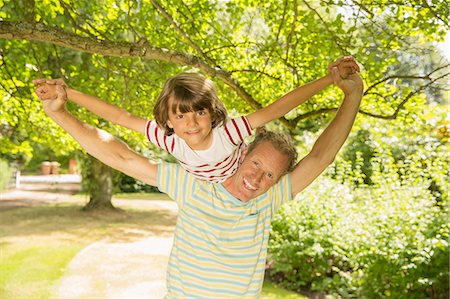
x: 270, y: 156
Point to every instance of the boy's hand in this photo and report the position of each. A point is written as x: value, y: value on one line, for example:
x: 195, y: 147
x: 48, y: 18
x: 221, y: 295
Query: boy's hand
x: 350, y: 85
x: 346, y: 65
x: 46, y: 89
x: 52, y: 93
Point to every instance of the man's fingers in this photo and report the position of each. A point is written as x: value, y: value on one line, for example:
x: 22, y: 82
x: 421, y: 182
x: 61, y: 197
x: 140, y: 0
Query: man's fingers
x: 346, y: 61
x: 60, y: 92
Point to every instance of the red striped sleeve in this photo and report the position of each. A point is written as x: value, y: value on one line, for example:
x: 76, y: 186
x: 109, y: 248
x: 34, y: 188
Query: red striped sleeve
x: 156, y: 137
x: 147, y: 128
x: 247, y: 125
x: 229, y: 134
x: 237, y: 129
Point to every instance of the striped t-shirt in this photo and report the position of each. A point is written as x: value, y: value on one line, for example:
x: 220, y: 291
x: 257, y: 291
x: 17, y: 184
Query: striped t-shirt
x: 215, y: 164
x: 220, y: 242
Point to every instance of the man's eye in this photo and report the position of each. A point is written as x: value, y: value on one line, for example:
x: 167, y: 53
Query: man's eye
x: 269, y: 175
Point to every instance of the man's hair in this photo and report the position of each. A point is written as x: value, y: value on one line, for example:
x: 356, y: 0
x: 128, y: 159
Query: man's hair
x: 281, y: 141
x: 190, y: 92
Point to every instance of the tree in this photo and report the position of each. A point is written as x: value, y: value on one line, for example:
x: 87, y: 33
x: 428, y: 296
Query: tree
x: 123, y: 51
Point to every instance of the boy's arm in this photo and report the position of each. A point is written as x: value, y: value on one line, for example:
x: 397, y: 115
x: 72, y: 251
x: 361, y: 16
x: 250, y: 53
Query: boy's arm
x: 287, y: 102
x: 101, y: 108
x: 107, y: 111
x: 333, y: 137
x: 346, y: 65
x: 101, y: 144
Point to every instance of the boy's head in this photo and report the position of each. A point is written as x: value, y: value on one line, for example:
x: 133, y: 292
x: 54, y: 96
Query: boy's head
x: 189, y: 92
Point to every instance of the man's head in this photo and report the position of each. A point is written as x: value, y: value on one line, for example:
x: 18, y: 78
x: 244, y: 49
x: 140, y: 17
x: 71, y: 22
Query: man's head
x: 188, y: 92
x: 270, y: 156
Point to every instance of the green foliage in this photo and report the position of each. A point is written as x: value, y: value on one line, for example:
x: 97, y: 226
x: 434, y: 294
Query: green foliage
x: 385, y: 242
x: 5, y: 174
x: 376, y: 224
x: 128, y: 184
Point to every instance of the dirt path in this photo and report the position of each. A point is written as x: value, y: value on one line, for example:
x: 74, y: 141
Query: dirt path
x: 117, y: 270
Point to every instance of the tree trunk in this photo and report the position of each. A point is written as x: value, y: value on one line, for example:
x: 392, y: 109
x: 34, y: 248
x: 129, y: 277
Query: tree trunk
x: 99, y: 185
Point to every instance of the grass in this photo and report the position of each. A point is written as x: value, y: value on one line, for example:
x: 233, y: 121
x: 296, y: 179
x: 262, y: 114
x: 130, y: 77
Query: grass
x: 37, y: 243
x: 31, y: 270
x: 272, y: 291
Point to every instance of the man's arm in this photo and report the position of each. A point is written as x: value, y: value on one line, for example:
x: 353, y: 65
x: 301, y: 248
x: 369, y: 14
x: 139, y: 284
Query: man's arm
x: 345, y: 65
x: 102, y: 145
x: 333, y: 137
x: 97, y: 106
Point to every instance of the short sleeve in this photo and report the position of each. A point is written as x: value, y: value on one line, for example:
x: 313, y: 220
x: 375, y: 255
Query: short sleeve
x: 237, y: 129
x: 158, y: 137
x: 173, y: 180
x: 281, y: 192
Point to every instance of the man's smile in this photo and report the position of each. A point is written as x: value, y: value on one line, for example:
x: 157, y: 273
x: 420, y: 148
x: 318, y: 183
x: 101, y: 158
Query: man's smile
x: 248, y: 185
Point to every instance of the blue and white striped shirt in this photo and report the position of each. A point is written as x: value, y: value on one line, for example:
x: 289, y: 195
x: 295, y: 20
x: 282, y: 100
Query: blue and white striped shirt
x: 220, y: 242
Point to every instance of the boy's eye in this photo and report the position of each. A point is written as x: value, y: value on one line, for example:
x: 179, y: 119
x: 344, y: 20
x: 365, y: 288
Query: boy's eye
x: 201, y: 112
x: 269, y: 175
x: 179, y: 116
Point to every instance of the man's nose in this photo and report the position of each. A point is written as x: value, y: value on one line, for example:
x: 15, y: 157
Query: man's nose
x: 259, y: 175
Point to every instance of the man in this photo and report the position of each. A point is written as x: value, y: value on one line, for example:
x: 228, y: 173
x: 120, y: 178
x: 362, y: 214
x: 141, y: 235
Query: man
x: 222, y: 231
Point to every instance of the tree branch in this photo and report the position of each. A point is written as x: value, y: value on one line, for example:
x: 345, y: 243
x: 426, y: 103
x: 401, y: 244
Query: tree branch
x: 42, y: 33
x: 169, y: 18
x: 437, y: 16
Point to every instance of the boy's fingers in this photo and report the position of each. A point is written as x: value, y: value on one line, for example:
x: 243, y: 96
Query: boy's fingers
x: 38, y: 81
x: 335, y: 74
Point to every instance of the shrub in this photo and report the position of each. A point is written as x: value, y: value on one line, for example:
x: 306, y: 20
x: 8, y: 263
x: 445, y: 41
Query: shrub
x: 388, y: 241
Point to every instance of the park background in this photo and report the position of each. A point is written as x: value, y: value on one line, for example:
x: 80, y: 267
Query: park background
x: 374, y: 225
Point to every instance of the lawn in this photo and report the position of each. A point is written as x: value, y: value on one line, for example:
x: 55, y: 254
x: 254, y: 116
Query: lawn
x: 37, y: 243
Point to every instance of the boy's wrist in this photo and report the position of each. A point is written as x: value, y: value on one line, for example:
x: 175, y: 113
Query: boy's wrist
x: 328, y: 79
x: 69, y: 92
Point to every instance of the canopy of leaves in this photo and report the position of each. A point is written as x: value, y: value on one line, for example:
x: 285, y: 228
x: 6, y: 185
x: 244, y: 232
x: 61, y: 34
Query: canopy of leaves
x: 123, y: 51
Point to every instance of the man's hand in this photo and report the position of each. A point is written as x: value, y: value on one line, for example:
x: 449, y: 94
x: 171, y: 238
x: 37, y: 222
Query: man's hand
x: 350, y: 85
x: 346, y: 65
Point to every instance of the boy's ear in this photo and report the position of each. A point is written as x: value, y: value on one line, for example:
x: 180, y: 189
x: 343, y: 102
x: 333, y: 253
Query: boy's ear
x: 169, y: 124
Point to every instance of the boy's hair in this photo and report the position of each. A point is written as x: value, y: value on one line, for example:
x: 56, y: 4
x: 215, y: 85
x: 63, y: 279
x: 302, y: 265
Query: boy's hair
x: 282, y: 142
x: 190, y: 92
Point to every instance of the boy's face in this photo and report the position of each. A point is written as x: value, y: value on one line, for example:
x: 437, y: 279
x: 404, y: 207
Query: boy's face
x: 193, y: 127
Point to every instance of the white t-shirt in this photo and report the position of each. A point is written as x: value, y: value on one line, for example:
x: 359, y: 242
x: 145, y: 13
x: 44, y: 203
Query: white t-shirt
x: 215, y: 164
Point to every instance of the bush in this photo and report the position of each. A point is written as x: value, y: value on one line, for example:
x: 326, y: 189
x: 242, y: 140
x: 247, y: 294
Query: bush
x: 5, y: 174
x: 128, y: 184
x: 388, y: 241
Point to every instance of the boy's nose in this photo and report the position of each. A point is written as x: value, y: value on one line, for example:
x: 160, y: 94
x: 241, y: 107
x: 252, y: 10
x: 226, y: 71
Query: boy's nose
x: 192, y: 120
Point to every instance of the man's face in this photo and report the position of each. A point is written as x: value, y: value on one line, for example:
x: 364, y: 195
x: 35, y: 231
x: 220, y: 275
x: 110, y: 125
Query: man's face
x: 260, y: 170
